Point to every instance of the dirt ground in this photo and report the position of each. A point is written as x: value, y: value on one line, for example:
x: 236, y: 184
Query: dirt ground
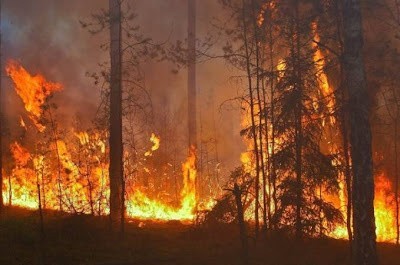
x: 86, y: 240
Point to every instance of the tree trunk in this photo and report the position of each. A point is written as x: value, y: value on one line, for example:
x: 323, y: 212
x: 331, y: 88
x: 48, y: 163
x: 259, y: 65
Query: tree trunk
x: 344, y: 126
x: 396, y: 172
x: 272, y: 172
x: 1, y: 132
x: 115, y: 140
x: 59, y: 181
x: 364, y: 244
x: 242, y: 226
x: 260, y: 111
x: 253, y: 123
x: 298, y: 121
x: 192, y: 93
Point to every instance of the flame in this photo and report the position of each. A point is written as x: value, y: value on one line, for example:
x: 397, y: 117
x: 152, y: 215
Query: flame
x: 33, y: 90
x: 325, y: 87
x: 156, y: 144
x: 142, y: 207
x: 20, y: 154
x: 267, y: 5
x: 385, y: 217
x: 74, y: 179
x: 385, y: 213
x: 21, y: 177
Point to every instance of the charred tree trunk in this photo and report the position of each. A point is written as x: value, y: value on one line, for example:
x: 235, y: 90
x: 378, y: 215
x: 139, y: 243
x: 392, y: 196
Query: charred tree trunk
x: 55, y: 139
x: 272, y: 173
x: 396, y: 172
x: 298, y: 119
x: 395, y: 116
x: 253, y: 123
x: 115, y: 140
x: 192, y: 93
x: 364, y: 244
x: 348, y: 177
x: 260, y: 110
x: 40, y: 208
x: 1, y: 132
x: 344, y: 126
x: 242, y: 226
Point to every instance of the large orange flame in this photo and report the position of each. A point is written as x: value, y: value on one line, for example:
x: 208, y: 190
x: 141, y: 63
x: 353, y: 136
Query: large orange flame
x: 325, y: 87
x: 385, y: 217
x: 33, y: 90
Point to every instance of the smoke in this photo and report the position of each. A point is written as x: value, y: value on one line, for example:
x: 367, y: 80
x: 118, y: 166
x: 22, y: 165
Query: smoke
x: 46, y: 37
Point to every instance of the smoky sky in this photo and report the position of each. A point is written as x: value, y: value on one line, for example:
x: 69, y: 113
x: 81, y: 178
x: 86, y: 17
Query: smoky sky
x: 46, y: 37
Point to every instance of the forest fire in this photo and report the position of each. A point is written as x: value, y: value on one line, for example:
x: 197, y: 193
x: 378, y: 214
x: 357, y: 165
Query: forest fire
x: 78, y: 193
x: 253, y: 126
x: 80, y: 186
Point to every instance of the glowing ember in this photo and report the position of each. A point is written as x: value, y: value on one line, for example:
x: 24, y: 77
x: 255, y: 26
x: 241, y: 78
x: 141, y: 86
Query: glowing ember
x: 33, y: 90
x: 22, y: 123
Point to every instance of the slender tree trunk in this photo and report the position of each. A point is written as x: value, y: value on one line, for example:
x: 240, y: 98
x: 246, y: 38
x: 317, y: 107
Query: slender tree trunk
x: 260, y: 110
x: 272, y: 172
x: 40, y: 207
x: 344, y: 125
x: 55, y: 140
x: 348, y: 178
x: 396, y: 172
x: 43, y: 188
x: 1, y: 127
x: 90, y: 188
x: 192, y: 92
x: 253, y: 123
x: 115, y: 140
x: 298, y: 121
x: 242, y: 226
x: 364, y: 244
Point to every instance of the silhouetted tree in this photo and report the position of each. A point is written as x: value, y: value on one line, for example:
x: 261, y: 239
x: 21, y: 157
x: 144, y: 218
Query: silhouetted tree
x: 115, y: 140
x: 1, y: 127
x: 360, y: 136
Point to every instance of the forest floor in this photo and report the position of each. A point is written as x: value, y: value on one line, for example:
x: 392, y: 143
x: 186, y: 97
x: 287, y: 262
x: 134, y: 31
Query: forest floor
x: 86, y: 240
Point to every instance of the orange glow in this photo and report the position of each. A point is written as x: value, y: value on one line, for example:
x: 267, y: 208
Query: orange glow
x: 33, y: 90
x: 325, y: 87
x: 385, y: 214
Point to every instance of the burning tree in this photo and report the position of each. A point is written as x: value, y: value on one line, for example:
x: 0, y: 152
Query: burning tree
x: 285, y: 123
